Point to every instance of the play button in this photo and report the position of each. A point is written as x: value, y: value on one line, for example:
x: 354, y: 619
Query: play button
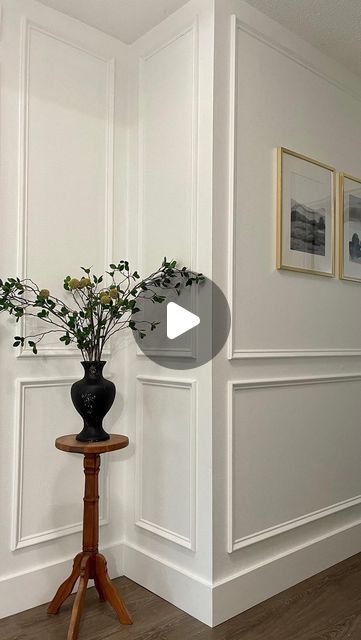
x: 190, y: 328
x: 179, y: 320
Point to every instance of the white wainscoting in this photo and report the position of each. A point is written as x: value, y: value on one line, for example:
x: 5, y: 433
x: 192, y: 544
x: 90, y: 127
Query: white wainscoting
x: 39, y: 420
x: 166, y: 458
x: 66, y: 126
x: 274, y: 420
x: 240, y: 28
x: 168, y: 163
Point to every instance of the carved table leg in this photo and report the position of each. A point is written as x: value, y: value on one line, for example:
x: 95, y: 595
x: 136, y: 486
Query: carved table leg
x: 99, y: 589
x: 79, y: 599
x: 89, y: 564
x: 66, y: 588
x: 109, y: 591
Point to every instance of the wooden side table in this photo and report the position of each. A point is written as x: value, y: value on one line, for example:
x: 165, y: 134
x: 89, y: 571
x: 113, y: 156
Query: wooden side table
x: 89, y: 564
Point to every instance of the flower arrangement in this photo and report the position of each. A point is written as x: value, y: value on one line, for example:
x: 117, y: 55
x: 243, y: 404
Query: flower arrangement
x: 94, y: 311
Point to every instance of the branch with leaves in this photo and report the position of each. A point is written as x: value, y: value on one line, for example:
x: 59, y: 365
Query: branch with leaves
x: 94, y: 312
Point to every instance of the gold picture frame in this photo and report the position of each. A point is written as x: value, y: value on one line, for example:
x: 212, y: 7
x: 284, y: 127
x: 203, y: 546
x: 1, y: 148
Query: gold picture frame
x: 315, y: 256
x: 348, y: 264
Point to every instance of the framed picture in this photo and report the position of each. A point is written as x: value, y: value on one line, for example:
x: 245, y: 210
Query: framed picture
x: 350, y: 228
x: 306, y: 214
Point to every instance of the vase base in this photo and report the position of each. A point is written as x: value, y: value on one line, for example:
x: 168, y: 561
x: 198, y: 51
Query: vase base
x: 101, y: 437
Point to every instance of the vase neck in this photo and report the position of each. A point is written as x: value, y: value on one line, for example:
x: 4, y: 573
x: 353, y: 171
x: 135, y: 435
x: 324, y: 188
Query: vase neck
x: 93, y: 369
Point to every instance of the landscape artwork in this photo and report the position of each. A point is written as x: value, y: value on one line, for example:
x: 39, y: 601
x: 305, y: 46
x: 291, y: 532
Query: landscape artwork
x: 308, y: 229
x: 306, y: 211
x: 350, y: 228
x: 354, y: 228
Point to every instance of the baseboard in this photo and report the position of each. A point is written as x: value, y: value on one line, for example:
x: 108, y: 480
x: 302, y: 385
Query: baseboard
x: 185, y: 590
x: 36, y: 586
x: 209, y: 604
x: 247, y: 588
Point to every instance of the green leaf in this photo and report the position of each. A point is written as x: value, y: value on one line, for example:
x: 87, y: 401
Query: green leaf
x: 33, y: 345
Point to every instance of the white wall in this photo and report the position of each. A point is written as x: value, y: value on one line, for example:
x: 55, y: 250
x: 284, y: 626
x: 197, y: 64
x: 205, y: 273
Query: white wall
x: 285, y: 416
x: 168, y: 536
x: 241, y: 477
x: 63, y: 135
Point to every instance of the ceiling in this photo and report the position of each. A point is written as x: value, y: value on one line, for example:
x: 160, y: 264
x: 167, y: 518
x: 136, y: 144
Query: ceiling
x: 123, y: 19
x: 333, y: 26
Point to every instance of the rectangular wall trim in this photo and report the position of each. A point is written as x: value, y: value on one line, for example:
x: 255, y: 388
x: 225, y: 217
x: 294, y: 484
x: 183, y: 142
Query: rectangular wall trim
x: 258, y: 536
x: 189, y: 541
x: 191, y: 29
x: 28, y: 28
x: 18, y: 540
x: 235, y: 353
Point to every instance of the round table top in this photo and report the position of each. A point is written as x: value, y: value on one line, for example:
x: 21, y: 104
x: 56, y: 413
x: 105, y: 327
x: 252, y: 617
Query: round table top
x: 69, y: 443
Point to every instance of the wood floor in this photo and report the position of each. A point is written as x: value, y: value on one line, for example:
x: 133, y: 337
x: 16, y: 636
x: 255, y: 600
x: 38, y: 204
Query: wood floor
x: 325, y: 607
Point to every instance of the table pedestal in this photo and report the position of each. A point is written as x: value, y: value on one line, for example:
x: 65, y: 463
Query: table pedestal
x: 89, y: 564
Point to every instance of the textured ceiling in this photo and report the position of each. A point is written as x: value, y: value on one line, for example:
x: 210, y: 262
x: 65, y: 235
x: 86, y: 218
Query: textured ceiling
x: 123, y: 19
x: 333, y: 26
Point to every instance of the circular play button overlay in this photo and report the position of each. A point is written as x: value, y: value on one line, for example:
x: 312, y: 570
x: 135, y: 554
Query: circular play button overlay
x: 191, y: 329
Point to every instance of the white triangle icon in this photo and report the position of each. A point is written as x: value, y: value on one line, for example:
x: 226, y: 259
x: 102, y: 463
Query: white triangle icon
x: 179, y: 320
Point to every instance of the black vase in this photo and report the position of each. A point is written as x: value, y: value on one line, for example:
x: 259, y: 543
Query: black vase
x: 92, y: 397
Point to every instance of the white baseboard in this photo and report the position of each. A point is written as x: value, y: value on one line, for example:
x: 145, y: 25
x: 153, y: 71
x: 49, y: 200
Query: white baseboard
x: 247, y: 588
x: 36, y: 586
x: 211, y: 604
x: 185, y: 590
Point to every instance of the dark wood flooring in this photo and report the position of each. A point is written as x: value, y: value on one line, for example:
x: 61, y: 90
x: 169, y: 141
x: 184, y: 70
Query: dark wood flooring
x: 325, y: 607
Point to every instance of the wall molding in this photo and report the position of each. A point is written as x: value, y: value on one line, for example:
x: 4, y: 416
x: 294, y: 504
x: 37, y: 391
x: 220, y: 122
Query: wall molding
x: 235, y: 353
x: 170, y: 581
x: 214, y: 602
x: 293, y: 55
x: 189, y: 542
x: 27, y: 28
x: 192, y: 29
x: 18, y: 540
x: 234, y: 544
x: 258, y: 582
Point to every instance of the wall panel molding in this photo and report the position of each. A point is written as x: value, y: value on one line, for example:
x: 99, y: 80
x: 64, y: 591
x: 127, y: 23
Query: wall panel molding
x: 27, y: 29
x: 293, y: 55
x: 191, y: 29
x: 173, y: 536
x: 238, y: 386
x: 234, y: 353
x: 18, y: 540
